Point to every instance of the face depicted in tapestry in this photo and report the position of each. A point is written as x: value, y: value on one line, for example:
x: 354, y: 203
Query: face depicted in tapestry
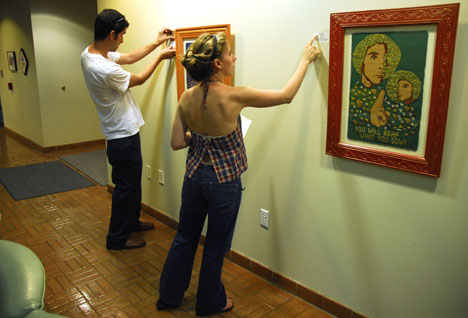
x: 403, y: 86
x: 373, y: 65
x: 405, y: 91
x: 375, y: 58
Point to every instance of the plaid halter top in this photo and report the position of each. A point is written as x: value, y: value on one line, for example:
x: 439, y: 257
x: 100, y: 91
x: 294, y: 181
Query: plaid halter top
x: 227, y: 153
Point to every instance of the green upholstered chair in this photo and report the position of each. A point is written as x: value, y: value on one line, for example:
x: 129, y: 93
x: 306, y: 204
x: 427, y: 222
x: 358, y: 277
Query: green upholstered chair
x: 22, y: 283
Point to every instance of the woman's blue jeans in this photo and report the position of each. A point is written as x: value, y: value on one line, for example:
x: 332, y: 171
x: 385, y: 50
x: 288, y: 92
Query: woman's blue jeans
x: 202, y: 195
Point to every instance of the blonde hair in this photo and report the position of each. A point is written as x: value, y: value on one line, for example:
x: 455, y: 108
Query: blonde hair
x: 198, y: 60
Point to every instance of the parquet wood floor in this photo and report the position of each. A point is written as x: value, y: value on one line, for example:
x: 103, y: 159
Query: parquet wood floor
x: 67, y: 231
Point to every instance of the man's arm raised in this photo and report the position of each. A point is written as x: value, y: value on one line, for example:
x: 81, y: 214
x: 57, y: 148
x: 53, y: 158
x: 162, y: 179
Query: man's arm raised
x: 136, y: 55
x: 140, y: 78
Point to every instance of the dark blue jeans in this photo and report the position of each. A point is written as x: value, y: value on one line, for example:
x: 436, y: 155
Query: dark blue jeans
x: 124, y: 155
x: 202, y: 195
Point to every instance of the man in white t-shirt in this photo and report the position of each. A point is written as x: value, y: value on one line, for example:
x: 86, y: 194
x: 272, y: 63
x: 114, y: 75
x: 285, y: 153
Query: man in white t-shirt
x: 109, y: 87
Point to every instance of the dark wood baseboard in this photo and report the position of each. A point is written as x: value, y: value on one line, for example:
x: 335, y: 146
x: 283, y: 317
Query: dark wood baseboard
x: 84, y: 144
x: 34, y: 145
x: 22, y: 139
x: 286, y: 283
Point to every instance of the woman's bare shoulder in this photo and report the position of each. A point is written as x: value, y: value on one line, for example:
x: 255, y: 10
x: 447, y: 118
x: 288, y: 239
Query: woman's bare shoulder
x: 231, y: 91
x: 188, y: 96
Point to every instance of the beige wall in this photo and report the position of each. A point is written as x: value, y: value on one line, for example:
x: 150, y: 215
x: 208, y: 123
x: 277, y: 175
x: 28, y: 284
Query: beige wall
x: 60, y: 35
x: 53, y: 36
x: 21, y: 110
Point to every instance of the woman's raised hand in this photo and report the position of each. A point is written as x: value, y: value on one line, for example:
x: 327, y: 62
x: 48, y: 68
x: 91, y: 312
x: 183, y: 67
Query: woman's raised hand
x: 311, y: 52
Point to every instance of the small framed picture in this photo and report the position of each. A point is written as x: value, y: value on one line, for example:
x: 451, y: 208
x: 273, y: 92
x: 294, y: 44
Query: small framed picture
x: 186, y: 36
x: 11, y: 55
x: 23, y: 61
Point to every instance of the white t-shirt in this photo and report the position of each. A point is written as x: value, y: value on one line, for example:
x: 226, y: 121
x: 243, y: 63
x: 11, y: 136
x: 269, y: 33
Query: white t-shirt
x: 108, y: 84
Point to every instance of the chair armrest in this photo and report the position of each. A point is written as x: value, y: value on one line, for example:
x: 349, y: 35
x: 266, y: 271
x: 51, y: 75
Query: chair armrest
x: 22, y: 280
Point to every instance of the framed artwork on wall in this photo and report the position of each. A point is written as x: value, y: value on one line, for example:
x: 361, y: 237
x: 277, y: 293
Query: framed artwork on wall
x: 23, y: 61
x: 389, y: 85
x: 186, y: 36
x: 11, y: 56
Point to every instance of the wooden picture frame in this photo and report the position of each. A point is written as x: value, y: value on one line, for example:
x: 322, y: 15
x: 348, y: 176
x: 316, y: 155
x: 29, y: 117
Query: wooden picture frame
x: 11, y: 57
x: 183, y: 38
x: 375, y: 124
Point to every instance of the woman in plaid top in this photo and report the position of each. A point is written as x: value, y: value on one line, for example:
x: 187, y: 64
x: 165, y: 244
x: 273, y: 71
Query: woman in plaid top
x: 208, y: 120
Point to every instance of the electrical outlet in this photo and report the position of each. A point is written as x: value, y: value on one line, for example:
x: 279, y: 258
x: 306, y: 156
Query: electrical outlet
x: 149, y: 174
x: 161, y: 177
x: 264, y: 218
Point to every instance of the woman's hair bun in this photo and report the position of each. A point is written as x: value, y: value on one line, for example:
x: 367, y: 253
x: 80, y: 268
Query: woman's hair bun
x: 198, y: 60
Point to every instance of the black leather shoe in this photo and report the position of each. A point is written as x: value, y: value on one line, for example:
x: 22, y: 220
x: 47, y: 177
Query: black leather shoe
x: 130, y: 244
x: 160, y: 305
x: 143, y: 226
